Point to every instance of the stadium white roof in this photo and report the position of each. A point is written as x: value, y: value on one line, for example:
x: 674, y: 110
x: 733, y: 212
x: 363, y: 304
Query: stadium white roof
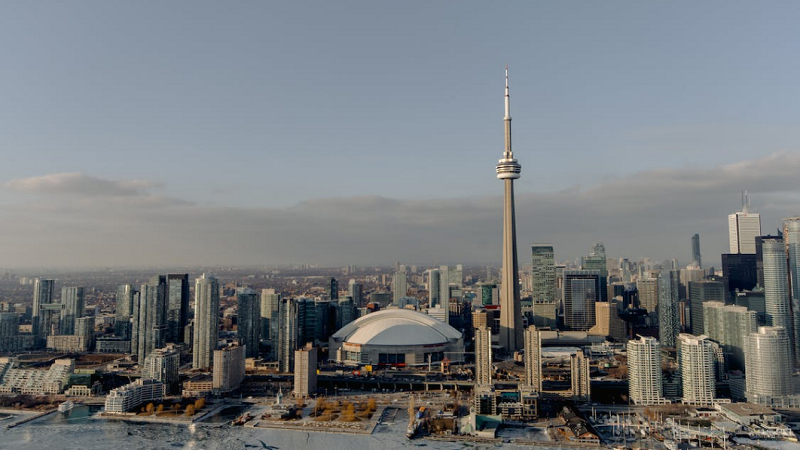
x: 400, y: 327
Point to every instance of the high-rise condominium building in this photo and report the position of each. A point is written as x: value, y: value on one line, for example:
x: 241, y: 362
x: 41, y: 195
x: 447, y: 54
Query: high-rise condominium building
x: 483, y: 356
x: 287, y: 335
x: 648, y: 293
x: 149, y: 323
x: 229, y: 366
x: 729, y: 325
x: 270, y: 307
x: 696, y: 258
x: 669, y: 321
x: 743, y: 227
x: 434, y: 287
x: 581, y: 291
x: 644, y: 372
x: 696, y: 360
x: 768, y: 365
x: 356, y: 293
x: 597, y: 261
x: 533, y: 359
x: 776, y: 288
x: 792, y: 237
x: 124, y: 310
x: 162, y: 364
x: 72, y: 308
x: 607, y: 321
x: 579, y: 376
x: 305, y: 371
x: 248, y: 320
x: 42, y: 295
x: 334, y: 290
x: 700, y: 292
x: 206, y: 321
x: 451, y: 282
x: 399, y: 286
x: 177, y: 306
x: 543, y: 273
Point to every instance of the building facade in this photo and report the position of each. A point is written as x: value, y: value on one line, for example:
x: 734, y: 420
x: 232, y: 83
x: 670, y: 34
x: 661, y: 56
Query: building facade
x: 206, y: 321
x: 581, y: 291
x: 644, y: 372
x: 697, y: 364
x: 768, y: 365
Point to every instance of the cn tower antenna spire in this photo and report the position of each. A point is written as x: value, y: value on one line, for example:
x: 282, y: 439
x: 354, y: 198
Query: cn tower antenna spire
x: 508, y: 154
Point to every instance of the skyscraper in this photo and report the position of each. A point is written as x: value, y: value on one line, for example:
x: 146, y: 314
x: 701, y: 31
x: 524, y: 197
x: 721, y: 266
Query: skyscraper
x: 581, y: 291
x: 597, y: 261
x: 399, y: 286
x: 793, y: 240
x: 346, y: 312
x: 306, y: 321
x: 270, y: 307
x: 229, y: 366
x: 287, y: 335
x: 669, y: 321
x: 334, y: 291
x: 248, y: 320
x: 123, y: 311
x: 696, y: 360
x: 740, y: 270
x: 644, y: 372
x: 648, y: 293
x: 177, y: 306
x: 206, y: 321
x: 696, y: 258
x: 434, y: 286
x: 543, y: 273
x: 533, y: 359
x: 699, y: 293
x: 483, y: 356
x: 743, y: 227
x: 305, y: 371
x: 768, y: 365
x: 72, y: 308
x: 451, y: 281
x: 162, y: 364
x: 150, y: 318
x: 42, y: 318
x: 579, y: 376
x: 729, y: 325
x: 508, y: 170
x: 357, y: 293
x: 776, y: 288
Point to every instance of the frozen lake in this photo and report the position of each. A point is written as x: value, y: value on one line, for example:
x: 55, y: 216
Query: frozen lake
x: 87, y: 433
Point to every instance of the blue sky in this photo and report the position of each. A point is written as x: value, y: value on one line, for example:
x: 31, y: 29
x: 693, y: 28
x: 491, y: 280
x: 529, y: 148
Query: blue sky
x: 262, y: 106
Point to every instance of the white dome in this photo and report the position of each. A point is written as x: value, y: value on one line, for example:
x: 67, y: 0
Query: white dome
x: 397, y: 327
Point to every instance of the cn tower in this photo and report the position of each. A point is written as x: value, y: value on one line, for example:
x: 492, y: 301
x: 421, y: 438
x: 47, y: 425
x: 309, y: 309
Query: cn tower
x: 508, y: 170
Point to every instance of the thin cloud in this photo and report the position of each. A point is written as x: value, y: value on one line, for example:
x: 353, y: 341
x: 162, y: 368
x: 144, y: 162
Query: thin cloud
x: 647, y: 214
x: 80, y: 184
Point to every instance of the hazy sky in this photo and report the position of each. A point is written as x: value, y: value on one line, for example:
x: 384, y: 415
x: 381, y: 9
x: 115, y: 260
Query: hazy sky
x: 138, y: 133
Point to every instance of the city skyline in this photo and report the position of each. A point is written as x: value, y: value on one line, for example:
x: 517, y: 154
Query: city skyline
x: 650, y: 140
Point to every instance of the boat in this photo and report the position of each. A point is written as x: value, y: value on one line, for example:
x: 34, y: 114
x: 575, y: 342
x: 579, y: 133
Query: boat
x: 243, y: 419
x: 66, y: 406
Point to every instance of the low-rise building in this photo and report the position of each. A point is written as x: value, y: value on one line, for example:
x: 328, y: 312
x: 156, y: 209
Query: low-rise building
x: 113, y: 344
x: 128, y: 397
x: 749, y: 413
x: 68, y: 343
x: 198, y: 386
x: 35, y: 381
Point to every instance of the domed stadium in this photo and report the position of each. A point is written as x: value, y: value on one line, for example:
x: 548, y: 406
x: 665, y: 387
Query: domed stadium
x: 396, y: 337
